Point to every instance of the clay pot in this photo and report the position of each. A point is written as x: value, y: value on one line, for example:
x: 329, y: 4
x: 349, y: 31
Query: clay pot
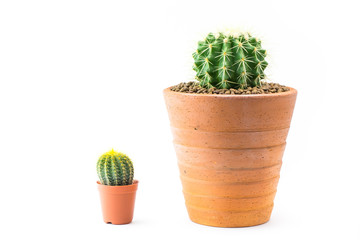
x: 117, y: 202
x: 229, y: 150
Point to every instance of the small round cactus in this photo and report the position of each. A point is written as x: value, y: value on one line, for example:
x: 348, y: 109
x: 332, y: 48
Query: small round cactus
x: 115, y: 169
x: 229, y: 61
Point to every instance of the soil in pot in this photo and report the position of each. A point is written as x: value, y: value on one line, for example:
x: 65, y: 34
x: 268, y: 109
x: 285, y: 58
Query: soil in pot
x: 265, y: 88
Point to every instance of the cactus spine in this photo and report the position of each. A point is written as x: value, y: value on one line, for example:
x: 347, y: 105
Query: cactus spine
x: 230, y: 61
x: 115, y: 168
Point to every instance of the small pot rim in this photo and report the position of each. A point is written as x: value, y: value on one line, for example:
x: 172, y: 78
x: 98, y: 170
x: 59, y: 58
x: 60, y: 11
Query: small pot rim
x: 262, y: 95
x: 135, y: 182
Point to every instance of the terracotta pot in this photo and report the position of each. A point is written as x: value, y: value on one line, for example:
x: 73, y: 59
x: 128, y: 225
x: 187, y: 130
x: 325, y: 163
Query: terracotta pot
x: 117, y: 202
x: 229, y: 150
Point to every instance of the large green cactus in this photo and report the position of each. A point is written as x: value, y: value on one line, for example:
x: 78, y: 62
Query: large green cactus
x: 115, y: 168
x: 229, y: 61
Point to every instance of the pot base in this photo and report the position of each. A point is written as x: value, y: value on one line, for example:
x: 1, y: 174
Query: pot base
x: 117, y: 223
x: 227, y: 219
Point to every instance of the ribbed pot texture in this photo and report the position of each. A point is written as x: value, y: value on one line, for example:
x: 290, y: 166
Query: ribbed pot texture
x: 229, y: 150
x: 118, y: 202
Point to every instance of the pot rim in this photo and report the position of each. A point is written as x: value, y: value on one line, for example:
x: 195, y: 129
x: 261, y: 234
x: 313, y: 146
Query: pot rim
x: 135, y: 182
x: 262, y: 95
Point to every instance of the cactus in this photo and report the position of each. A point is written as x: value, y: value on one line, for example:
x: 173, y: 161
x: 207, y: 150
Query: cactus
x: 115, y: 168
x: 229, y: 61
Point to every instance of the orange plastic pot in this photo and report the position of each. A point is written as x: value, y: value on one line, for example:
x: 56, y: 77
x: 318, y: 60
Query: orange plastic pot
x: 229, y: 150
x: 118, y: 202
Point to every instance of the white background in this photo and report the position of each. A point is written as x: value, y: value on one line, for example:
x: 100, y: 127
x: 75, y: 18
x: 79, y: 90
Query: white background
x: 81, y: 77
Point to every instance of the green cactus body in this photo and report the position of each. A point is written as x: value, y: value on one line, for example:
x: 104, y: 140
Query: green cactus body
x: 229, y: 61
x: 115, y: 168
